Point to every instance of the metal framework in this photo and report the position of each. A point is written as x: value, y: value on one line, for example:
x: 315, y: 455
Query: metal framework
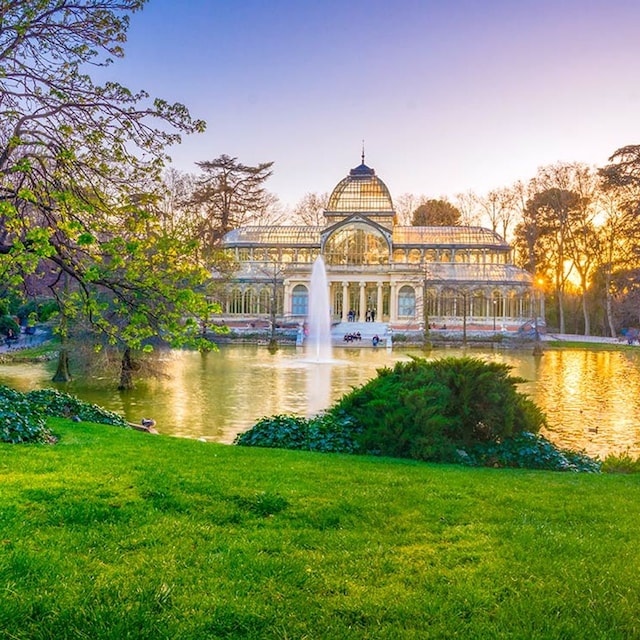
x: 403, y: 274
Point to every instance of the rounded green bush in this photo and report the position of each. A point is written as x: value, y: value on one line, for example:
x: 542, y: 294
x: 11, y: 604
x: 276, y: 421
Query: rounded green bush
x: 460, y: 410
x: 426, y: 410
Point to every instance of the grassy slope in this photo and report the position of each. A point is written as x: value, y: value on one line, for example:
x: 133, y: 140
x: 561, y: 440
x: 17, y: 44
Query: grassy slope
x: 118, y: 534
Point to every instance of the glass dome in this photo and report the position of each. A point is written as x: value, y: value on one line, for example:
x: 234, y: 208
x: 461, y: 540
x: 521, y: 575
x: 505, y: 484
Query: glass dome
x: 361, y: 190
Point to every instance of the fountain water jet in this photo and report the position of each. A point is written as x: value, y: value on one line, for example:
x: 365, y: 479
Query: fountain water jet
x: 318, y: 342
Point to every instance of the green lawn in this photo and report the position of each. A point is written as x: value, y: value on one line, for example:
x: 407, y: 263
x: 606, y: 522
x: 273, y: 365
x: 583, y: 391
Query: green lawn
x: 118, y: 534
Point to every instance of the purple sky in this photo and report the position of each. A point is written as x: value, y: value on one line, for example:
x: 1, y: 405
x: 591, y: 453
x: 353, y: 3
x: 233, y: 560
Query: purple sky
x: 448, y: 95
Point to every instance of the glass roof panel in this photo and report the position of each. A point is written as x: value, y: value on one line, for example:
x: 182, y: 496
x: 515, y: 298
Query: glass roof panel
x: 464, y: 272
x: 274, y: 235
x: 447, y: 236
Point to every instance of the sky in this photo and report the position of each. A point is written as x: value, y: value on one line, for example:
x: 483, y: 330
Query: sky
x: 448, y: 95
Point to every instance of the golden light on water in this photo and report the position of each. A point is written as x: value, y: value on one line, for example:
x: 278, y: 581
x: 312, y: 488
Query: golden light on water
x: 592, y: 398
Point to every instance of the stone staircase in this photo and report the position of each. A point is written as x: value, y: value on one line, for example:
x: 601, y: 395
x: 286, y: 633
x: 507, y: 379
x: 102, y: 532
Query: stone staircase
x: 367, y: 331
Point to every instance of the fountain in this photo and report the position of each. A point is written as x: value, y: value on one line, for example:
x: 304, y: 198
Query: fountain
x: 318, y: 342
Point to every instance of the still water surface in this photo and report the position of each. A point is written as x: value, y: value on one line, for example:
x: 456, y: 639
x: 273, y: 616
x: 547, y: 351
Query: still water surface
x: 592, y: 398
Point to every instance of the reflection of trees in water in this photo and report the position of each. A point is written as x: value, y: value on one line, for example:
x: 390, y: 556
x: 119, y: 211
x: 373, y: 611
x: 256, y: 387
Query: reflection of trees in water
x: 220, y: 394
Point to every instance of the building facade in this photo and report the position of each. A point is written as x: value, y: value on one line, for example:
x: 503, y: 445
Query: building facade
x: 377, y: 269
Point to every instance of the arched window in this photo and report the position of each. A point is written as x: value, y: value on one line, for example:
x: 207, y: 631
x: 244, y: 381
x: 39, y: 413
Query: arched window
x: 300, y: 300
x: 448, y: 299
x: 264, y: 302
x: 406, y: 302
x: 235, y: 301
x: 356, y: 243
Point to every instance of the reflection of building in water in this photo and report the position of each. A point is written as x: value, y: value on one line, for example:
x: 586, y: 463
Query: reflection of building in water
x: 378, y: 269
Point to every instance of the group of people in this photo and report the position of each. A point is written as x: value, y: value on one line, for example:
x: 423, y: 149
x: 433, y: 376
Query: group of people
x: 351, y: 337
x: 369, y: 316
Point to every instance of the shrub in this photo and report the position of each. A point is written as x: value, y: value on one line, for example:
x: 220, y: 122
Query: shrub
x: 42, y: 309
x: 23, y: 415
x: 8, y: 323
x: 427, y: 410
x: 324, y: 433
x: 621, y: 463
x: 51, y: 402
x: 461, y: 410
x: 19, y: 420
x: 280, y: 431
x: 530, y: 451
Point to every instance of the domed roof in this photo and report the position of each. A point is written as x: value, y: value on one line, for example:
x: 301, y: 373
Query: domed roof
x: 362, y: 191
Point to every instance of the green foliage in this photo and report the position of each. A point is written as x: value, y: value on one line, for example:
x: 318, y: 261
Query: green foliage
x: 425, y: 410
x: 43, y: 308
x: 436, y: 213
x: 51, y: 402
x: 8, y: 323
x: 530, y: 451
x: 20, y: 421
x: 327, y: 433
x: 23, y: 415
x: 461, y: 410
x: 80, y: 192
x: 621, y: 463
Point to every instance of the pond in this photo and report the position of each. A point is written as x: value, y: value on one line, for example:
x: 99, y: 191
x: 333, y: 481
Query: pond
x: 591, y: 397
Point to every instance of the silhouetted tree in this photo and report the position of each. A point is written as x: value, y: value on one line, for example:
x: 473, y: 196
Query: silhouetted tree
x: 310, y: 209
x: 227, y: 195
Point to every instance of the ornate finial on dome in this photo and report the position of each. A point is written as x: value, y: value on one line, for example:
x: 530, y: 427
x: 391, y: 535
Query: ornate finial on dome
x: 362, y: 170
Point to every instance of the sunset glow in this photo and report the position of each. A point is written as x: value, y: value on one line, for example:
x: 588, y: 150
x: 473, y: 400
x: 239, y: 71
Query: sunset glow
x: 449, y: 97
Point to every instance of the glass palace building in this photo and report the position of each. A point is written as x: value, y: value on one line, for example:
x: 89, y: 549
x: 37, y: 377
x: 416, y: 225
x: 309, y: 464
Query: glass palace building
x: 401, y: 275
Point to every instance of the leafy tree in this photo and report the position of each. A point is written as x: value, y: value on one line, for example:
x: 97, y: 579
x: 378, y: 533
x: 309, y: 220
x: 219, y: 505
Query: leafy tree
x: 556, y: 235
x: 76, y: 161
x: 545, y: 230
x: 436, y: 213
x: 620, y: 235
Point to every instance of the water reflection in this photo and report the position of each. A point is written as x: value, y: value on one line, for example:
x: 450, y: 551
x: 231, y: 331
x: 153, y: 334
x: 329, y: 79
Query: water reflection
x: 590, y: 397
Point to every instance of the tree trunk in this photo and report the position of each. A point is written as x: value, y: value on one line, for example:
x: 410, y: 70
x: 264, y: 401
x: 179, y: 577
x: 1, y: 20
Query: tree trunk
x: 126, y: 371
x: 585, y: 310
x: 560, y: 295
x: 609, y: 306
x: 62, y: 374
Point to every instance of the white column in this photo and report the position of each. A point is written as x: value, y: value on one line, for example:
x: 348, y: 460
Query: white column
x: 345, y: 301
x: 363, y: 302
x: 393, y: 304
x: 286, y: 303
x: 379, y: 303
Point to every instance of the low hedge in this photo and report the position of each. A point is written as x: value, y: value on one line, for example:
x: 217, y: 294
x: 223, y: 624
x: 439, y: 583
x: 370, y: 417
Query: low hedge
x: 23, y: 416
